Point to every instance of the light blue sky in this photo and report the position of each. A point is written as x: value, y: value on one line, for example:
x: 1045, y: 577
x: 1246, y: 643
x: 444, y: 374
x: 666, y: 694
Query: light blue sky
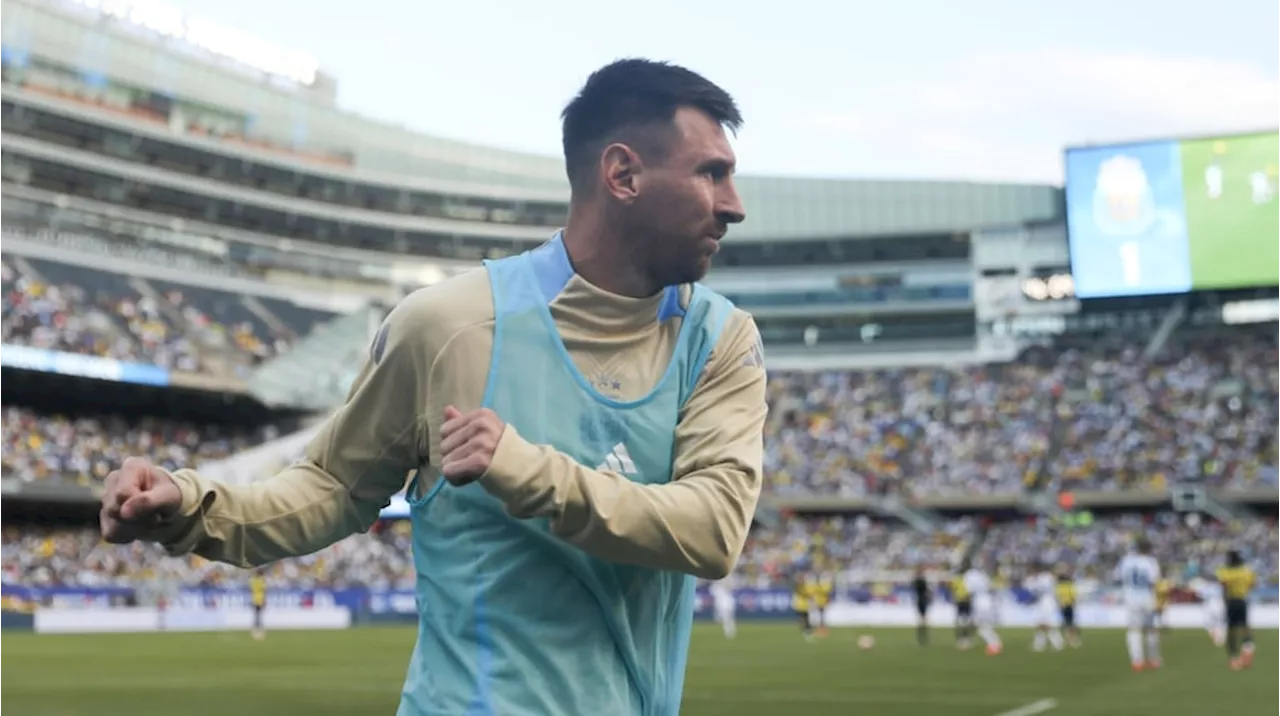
x: 981, y: 89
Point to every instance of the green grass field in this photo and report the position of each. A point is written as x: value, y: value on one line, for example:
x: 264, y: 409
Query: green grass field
x: 1232, y: 240
x: 767, y: 670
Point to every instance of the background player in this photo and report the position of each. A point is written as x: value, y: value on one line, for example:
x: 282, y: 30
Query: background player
x: 1138, y: 574
x: 964, y: 608
x: 258, y: 598
x: 1237, y: 581
x: 725, y: 605
x: 920, y: 586
x: 1045, y: 586
x: 978, y: 586
x: 1066, y: 593
x: 1163, y: 588
x: 1214, y: 607
x: 802, y: 602
x: 821, y: 588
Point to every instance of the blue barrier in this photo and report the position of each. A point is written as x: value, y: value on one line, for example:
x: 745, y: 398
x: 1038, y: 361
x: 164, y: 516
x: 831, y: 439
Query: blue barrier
x: 17, y: 621
x: 45, y: 361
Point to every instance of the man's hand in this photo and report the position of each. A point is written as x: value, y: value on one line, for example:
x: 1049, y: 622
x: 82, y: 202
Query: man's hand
x: 138, y: 498
x: 467, y: 443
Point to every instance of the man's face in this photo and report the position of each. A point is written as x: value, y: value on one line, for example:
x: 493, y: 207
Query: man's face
x: 685, y: 200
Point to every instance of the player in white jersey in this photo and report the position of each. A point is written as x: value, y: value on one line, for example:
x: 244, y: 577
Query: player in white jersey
x: 1260, y: 185
x: 1213, y: 181
x: 1138, y: 573
x: 725, y: 605
x: 1214, y: 605
x: 978, y: 584
x: 1043, y: 587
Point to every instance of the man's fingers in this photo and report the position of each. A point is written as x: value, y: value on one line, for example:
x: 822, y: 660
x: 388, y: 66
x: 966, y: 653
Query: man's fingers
x: 122, y: 494
x: 459, y: 436
x: 112, y: 530
x: 141, y: 506
x: 461, y: 471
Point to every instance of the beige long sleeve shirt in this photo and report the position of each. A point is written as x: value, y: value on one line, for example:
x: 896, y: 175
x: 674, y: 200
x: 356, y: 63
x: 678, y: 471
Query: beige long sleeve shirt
x: 435, y: 352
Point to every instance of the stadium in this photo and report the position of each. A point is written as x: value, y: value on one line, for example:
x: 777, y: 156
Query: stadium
x: 199, y: 249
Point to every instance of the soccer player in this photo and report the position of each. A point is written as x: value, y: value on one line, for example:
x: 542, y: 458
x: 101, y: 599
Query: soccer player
x: 1260, y: 187
x: 1044, y: 587
x: 1163, y: 588
x: 1213, y: 605
x: 584, y: 421
x: 978, y: 585
x: 258, y: 598
x: 1066, y: 593
x: 1138, y: 574
x: 964, y: 609
x: 1213, y: 180
x: 924, y: 596
x: 821, y: 587
x: 1237, y: 581
x: 802, y: 602
x: 725, y: 605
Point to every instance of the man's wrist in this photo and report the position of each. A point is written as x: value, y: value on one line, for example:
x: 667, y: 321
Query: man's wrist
x: 509, y: 475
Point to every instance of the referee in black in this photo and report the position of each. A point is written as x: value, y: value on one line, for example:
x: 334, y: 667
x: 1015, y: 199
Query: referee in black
x: 920, y: 586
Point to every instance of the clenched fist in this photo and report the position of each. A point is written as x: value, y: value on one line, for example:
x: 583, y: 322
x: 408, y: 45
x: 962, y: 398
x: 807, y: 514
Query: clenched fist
x: 467, y: 443
x: 139, y: 496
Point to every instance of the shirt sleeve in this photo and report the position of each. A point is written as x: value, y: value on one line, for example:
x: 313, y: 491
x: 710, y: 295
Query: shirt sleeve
x: 360, y: 458
x: 698, y: 522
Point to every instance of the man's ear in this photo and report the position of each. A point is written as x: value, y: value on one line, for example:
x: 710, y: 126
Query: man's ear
x: 621, y: 167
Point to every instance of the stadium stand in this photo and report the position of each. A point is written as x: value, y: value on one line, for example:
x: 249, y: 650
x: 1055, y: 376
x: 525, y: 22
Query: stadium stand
x: 837, y: 433
x: 83, y: 449
x: 76, y: 309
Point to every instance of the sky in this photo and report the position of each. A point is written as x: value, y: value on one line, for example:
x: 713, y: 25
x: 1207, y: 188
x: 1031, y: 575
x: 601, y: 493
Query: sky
x: 987, y: 90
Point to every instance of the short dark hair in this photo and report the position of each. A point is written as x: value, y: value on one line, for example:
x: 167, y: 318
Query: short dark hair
x: 630, y: 94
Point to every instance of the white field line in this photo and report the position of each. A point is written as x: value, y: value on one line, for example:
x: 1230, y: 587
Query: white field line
x: 1031, y: 709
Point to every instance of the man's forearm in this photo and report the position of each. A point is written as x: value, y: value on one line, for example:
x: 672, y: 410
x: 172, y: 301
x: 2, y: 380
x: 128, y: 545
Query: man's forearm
x: 299, y: 511
x: 696, y: 524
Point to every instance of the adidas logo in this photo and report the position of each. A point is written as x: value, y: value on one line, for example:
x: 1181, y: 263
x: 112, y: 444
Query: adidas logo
x: 618, y: 460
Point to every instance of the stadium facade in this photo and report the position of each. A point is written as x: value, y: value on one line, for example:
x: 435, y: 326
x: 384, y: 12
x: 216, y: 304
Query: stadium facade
x: 130, y: 113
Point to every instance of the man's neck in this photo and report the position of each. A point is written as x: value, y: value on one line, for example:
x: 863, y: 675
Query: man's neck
x: 601, y: 257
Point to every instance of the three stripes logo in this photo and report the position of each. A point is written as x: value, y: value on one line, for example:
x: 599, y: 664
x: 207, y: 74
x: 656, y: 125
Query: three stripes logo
x: 619, y: 460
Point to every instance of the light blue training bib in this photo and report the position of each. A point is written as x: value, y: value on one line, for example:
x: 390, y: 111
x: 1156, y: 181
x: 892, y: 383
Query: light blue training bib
x: 512, y: 620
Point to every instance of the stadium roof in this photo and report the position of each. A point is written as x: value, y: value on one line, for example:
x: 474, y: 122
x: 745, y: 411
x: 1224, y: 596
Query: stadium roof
x: 778, y: 208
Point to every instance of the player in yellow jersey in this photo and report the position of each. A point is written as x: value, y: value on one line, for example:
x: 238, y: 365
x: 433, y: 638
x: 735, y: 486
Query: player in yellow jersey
x: 802, y: 602
x: 820, y: 590
x: 1163, y: 587
x: 1066, y: 594
x: 1237, y: 581
x: 258, y: 599
x: 964, y: 609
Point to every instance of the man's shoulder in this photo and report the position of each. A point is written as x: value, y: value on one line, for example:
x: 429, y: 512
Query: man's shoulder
x: 448, y: 306
x: 739, y: 327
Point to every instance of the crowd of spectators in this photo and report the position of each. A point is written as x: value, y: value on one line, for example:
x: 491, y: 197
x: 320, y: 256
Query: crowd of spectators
x: 1090, y: 417
x: 1184, y: 546
x: 82, y: 450
x: 102, y: 314
x: 860, y: 550
x: 66, y: 318
x: 1200, y: 411
x: 47, y: 557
